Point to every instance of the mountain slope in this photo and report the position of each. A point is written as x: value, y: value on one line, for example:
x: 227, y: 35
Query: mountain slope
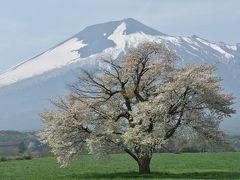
x: 25, y: 88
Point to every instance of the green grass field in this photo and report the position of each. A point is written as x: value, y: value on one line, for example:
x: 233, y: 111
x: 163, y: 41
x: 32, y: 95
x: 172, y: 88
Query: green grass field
x: 121, y: 166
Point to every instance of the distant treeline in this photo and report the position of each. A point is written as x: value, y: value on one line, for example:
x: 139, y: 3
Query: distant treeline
x: 14, y: 142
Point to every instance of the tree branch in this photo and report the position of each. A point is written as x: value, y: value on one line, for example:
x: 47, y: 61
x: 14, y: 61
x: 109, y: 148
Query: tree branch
x: 131, y: 154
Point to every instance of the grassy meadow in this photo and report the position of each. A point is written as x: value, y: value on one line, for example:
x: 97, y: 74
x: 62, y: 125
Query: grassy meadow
x: 121, y: 166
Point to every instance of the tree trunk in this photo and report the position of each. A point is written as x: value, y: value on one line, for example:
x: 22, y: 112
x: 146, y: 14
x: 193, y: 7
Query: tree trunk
x: 144, y: 165
x: 143, y: 161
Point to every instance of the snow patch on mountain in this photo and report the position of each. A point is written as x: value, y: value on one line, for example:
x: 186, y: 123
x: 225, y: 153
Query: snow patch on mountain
x: 117, y: 36
x: 193, y: 44
x: 173, y: 40
x: 216, y: 47
x: 52, y: 59
x: 232, y: 47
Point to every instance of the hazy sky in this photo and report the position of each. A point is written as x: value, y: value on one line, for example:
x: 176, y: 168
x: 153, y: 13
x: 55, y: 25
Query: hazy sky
x: 28, y: 27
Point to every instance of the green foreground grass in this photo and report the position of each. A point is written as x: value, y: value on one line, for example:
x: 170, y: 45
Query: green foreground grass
x: 121, y: 166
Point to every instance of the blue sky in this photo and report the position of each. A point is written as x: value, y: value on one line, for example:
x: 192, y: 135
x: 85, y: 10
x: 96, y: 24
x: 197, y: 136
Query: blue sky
x: 29, y: 27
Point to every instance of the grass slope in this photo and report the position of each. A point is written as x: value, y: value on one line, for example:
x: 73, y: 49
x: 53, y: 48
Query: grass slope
x: 121, y: 166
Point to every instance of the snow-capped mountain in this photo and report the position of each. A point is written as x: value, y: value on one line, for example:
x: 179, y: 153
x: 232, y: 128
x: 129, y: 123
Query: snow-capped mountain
x: 26, y: 87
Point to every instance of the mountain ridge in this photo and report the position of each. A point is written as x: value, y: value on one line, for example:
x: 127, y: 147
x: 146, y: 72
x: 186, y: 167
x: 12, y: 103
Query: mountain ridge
x: 90, y: 47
